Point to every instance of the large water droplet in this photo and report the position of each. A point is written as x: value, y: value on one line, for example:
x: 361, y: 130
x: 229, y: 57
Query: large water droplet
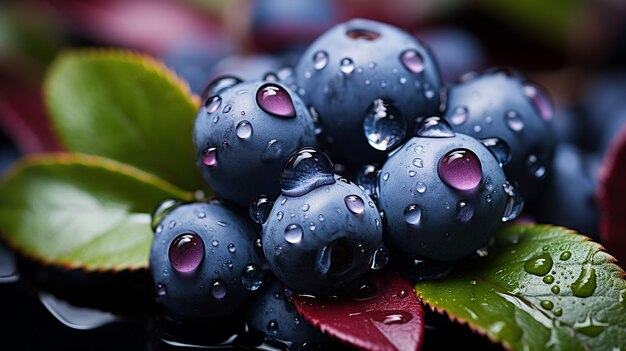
x: 362, y: 34
x: 413, y: 214
x: 413, y: 61
x: 354, y: 203
x: 275, y: 100
x: 209, y: 156
x: 379, y: 258
x: 305, y: 170
x: 162, y: 210
x: 218, y: 290
x: 540, y: 100
x: 459, y: 116
x: 336, y: 258
x: 460, y: 169
x: 514, y: 203
x: 465, y: 211
x: 293, y: 233
x: 260, y: 209
x: 346, y: 65
x: 383, y: 125
x: 539, y: 265
x: 546, y: 304
x: 252, y: 277
x: 499, y: 149
x: 212, y: 104
x: 218, y: 85
x: 585, y: 285
x: 243, y: 130
x: 434, y: 127
x: 186, y: 252
x: 320, y: 60
x: 514, y: 121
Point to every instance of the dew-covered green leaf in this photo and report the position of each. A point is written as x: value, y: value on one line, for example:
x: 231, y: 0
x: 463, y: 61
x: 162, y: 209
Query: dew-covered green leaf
x: 81, y: 211
x: 126, y: 107
x: 540, y: 288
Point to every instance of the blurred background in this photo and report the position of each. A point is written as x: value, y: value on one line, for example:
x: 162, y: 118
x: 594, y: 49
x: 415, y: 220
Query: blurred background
x: 576, y: 49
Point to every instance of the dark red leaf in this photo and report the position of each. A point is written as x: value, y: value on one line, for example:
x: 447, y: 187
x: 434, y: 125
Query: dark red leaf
x: 386, y: 315
x: 611, y: 194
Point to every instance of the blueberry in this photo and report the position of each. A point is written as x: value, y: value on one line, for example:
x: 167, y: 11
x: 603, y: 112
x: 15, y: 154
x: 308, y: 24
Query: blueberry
x: 569, y: 200
x: 203, y: 261
x: 244, y: 134
x: 444, y: 194
x: 246, y: 67
x: 368, y: 82
x: 323, y: 232
x: 274, y: 315
x: 500, y: 104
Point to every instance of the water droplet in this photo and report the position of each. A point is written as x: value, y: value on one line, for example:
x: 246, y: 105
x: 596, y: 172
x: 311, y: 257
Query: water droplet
x: 420, y: 187
x: 346, y: 65
x: 539, y: 265
x: 412, y: 173
x: 390, y: 317
x: 159, y: 229
x: 585, y: 284
x: 213, y: 104
x: 386, y: 176
x: 354, y: 203
x: 555, y: 289
x: 226, y: 109
x: 336, y: 258
x: 252, y: 277
x: 488, y: 199
x: 275, y: 100
x: 186, y: 252
x: 371, y: 65
x: 548, y: 279
x: 362, y: 34
x: 460, y: 169
x: 380, y: 258
x: 162, y: 210
x: 413, y: 214
x: 231, y: 248
x: 218, y: 290
x: 465, y: 211
x: 209, y: 157
x: 161, y: 289
x: 434, y: 127
x: 546, y: 304
x: 243, y: 130
x: 218, y: 85
x: 221, y: 223
x: 459, y: 116
x: 565, y: 255
x: 260, y: 209
x: 536, y: 167
x: 514, y: 121
x: 214, y: 243
x: 272, y: 327
x: 418, y: 162
x: 320, y: 60
x: 558, y: 311
x: 499, y: 149
x: 413, y: 61
x: 293, y: 233
x: 514, y: 203
x: 280, y: 215
x: 383, y: 125
x: 540, y: 100
x: 306, y: 169
x: 172, y: 224
x: 402, y: 80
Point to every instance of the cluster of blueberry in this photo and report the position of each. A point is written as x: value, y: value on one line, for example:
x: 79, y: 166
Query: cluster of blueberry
x: 435, y: 172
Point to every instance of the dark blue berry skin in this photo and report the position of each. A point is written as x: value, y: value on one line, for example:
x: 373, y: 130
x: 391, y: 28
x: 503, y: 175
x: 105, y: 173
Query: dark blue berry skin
x: 495, y: 101
x: 443, y: 230
x: 248, y: 166
x: 228, y: 242
x: 336, y: 245
x: 364, y: 64
x: 272, y: 313
x: 569, y: 200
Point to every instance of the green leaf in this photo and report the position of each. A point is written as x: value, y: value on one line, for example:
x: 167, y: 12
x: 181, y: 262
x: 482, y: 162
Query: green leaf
x: 81, y: 211
x: 541, y: 287
x: 126, y: 107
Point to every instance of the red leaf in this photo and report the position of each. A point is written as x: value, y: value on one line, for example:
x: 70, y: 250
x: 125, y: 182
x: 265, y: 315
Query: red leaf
x: 611, y: 195
x: 387, y: 315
